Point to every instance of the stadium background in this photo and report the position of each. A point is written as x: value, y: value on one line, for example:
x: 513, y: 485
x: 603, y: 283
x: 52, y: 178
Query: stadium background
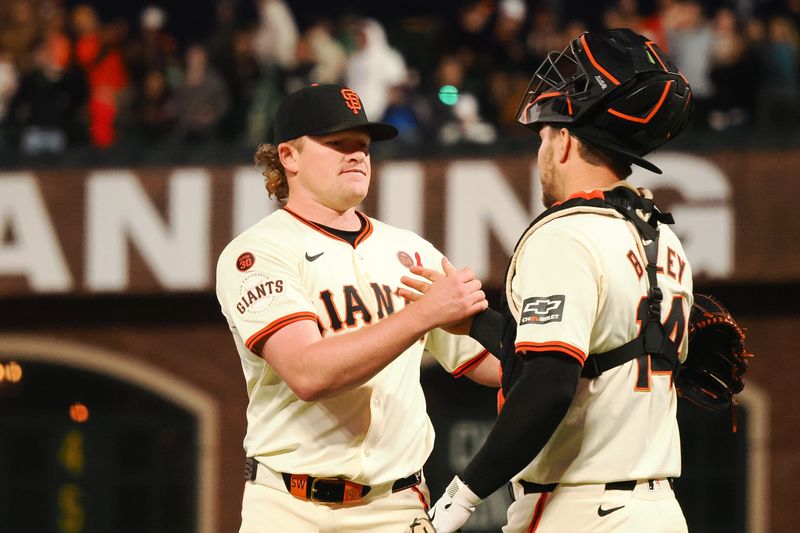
x: 126, y: 141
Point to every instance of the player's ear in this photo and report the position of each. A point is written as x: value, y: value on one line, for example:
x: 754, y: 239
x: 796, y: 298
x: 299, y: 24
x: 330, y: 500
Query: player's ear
x: 566, y: 142
x: 287, y: 153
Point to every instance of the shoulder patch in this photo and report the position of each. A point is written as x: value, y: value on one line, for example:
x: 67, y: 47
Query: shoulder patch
x: 257, y: 292
x: 542, y: 309
x: 245, y: 261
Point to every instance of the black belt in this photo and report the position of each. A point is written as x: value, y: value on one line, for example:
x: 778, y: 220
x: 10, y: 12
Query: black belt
x: 328, y: 490
x: 528, y: 487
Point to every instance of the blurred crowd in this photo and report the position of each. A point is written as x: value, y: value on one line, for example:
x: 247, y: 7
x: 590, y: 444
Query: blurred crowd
x: 69, y: 78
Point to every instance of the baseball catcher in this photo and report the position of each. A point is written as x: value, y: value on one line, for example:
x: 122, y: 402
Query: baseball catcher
x: 714, y: 369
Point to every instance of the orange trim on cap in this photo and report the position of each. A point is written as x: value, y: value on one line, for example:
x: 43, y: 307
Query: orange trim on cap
x: 365, y: 232
x: 552, y: 346
x: 652, y: 112
x: 464, y: 367
x: 649, y: 45
x: 607, y: 74
x: 275, y: 325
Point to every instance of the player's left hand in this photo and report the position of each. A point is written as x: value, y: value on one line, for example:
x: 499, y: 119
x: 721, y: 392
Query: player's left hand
x: 454, y: 508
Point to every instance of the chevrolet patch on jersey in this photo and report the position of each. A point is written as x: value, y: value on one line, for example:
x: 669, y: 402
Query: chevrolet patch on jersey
x: 542, y: 309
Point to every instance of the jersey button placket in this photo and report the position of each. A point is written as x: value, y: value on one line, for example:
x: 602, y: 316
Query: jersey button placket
x: 361, y: 267
x: 376, y: 425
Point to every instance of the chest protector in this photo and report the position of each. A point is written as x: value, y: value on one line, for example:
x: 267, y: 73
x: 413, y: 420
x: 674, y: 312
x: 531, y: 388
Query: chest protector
x: 645, y: 217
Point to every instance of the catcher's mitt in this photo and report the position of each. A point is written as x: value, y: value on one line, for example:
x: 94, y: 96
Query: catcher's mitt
x: 714, y: 368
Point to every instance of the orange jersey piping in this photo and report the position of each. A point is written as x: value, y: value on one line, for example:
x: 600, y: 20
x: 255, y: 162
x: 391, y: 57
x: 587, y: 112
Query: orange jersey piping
x: 537, y: 512
x: 421, y: 497
x: 464, y: 367
x: 590, y: 195
x: 365, y: 232
x: 552, y: 346
x: 275, y: 325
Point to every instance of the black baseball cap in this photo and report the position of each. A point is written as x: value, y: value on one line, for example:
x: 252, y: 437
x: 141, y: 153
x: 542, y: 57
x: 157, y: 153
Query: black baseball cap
x: 323, y: 109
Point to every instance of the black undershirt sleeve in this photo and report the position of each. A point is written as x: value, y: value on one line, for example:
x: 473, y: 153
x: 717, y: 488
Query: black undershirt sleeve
x: 487, y: 328
x: 533, y: 409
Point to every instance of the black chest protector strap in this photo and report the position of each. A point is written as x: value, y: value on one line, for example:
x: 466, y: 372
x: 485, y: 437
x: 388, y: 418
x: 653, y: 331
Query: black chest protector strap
x: 652, y: 339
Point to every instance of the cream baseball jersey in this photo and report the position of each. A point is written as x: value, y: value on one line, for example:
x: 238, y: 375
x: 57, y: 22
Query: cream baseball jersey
x: 578, y: 286
x: 285, y: 269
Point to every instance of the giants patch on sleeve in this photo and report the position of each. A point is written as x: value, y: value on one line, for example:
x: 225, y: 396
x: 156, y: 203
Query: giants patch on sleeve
x: 257, y: 293
x: 542, y: 309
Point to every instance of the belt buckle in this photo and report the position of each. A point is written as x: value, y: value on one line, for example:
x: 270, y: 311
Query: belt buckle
x: 325, y: 498
x: 350, y: 491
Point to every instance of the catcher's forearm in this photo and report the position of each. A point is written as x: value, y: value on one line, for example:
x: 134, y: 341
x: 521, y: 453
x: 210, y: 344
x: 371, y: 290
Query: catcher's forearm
x: 487, y: 328
x: 533, y: 409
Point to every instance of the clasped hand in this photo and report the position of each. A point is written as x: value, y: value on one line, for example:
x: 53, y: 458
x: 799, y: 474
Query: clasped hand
x: 457, y: 294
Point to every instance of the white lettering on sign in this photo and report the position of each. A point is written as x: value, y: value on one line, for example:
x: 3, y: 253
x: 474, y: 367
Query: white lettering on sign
x: 401, y: 195
x: 33, y: 250
x: 704, y: 222
x: 480, y: 202
x: 120, y: 214
x: 250, y: 200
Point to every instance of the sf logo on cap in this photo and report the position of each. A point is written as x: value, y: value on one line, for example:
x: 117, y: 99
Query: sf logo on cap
x: 351, y: 100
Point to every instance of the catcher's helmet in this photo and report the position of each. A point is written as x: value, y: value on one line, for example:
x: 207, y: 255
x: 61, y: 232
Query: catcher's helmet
x: 612, y: 88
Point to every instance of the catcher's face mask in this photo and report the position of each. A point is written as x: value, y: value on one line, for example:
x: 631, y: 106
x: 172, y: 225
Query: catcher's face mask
x: 612, y: 88
x: 558, y: 80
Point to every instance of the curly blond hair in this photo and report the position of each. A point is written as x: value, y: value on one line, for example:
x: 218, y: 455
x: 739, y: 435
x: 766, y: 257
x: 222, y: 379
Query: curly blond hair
x: 274, y: 174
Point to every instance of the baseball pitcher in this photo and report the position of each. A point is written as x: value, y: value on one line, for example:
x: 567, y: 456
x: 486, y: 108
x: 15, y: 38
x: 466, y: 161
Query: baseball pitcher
x: 337, y: 431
